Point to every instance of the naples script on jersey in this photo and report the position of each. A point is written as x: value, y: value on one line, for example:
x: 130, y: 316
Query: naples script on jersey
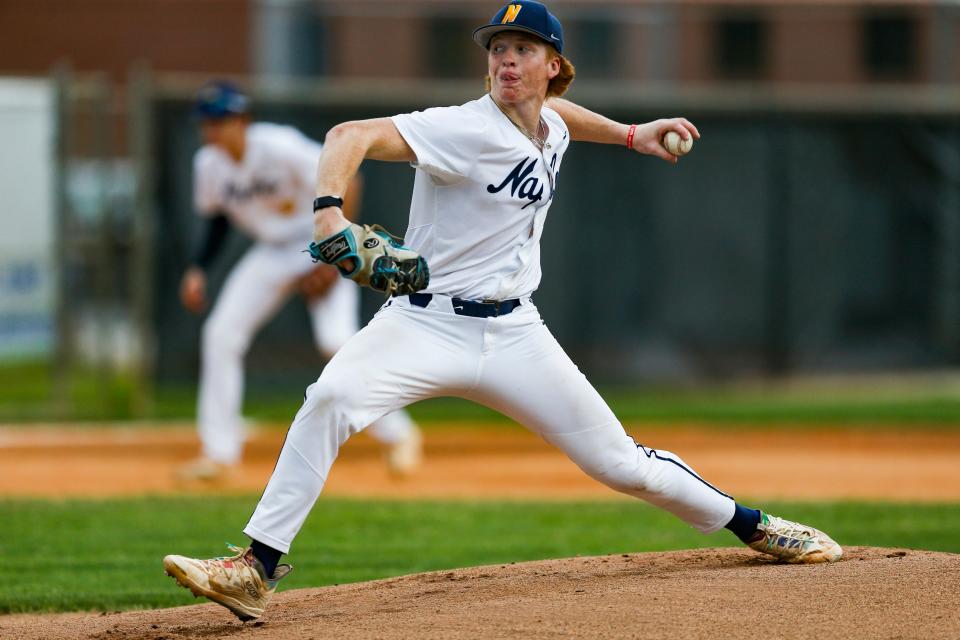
x: 257, y: 187
x: 522, y: 184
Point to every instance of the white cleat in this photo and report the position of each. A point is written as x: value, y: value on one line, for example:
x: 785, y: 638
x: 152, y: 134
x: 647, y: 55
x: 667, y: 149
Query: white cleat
x: 237, y: 582
x: 405, y: 456
x: 206, y: 470
x: 793, y: 542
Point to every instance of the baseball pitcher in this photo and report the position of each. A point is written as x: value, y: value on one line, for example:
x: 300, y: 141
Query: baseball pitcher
x: 462, y: 320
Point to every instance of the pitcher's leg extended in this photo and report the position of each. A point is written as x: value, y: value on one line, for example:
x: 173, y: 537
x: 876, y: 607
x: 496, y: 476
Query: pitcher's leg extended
x: 340, y: 403
x: 373, y: 374
x: 531, y: 379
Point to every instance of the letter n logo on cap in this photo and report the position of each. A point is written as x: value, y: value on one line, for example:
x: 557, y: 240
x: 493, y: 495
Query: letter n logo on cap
x: 511, y: 14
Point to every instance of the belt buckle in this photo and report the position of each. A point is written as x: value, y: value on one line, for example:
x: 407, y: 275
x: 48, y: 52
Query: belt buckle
x: 496, y: 306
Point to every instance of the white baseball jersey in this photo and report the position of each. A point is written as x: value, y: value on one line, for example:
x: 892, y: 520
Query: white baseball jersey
x: 268, y: 194
x: 480, y: 198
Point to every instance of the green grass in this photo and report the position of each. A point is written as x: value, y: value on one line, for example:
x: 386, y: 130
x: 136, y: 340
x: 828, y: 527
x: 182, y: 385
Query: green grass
x: 105, y: 554
x: 33, y: 391
x: 744, y: 408
x: 740, y: 406
x: 30, y: 392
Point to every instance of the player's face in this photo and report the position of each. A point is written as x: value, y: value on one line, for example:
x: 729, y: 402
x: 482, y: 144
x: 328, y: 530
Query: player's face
x: 520, y: 67
x: 227, y: 133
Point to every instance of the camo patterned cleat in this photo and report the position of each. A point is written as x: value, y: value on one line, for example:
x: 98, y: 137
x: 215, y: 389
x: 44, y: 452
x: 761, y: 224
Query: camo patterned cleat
x: 793, y: 542
x: 238, y: 582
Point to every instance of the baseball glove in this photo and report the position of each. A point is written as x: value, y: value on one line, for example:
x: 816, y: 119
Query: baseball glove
x: 372, y: 257
x: 317, y: 282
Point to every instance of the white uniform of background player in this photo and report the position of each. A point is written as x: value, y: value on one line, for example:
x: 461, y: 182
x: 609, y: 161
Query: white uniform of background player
x: 486, y: 172
x: 267, y: 194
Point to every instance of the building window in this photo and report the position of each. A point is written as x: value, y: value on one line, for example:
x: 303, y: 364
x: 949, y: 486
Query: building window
x: 890, y: 45
x: 740, y: 46
x: 308, y: 44
x: 452, y: 52
x: 593, y: 50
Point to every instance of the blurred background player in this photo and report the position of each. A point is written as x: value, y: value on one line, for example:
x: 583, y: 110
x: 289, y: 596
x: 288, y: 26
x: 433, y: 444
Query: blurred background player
x: 260, y: 178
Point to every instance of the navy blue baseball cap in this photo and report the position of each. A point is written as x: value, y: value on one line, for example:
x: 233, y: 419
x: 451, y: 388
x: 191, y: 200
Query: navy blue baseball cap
x: 220, y: 100
x: 524, y: 15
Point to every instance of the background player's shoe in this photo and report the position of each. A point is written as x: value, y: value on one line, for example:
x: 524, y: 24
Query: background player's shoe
x: 405, y: 456
x: 238, y: 582
x: 205, y: 470
x: 793, y: 542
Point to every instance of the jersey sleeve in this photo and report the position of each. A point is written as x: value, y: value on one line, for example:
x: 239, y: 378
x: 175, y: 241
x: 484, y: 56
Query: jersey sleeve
x: 206, y: 196
x: 446, y: 140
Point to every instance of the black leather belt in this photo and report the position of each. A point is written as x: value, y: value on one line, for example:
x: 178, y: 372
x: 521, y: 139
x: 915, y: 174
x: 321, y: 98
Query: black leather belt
x: 472, y: 308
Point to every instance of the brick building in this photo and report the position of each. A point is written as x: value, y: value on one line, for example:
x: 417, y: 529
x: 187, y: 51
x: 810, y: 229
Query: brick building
x: 683, y: 41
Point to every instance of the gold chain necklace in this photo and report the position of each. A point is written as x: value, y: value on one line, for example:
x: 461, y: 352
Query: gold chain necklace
x: 539, y: 142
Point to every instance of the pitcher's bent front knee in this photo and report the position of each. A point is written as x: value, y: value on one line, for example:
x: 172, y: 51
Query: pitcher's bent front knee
x: 333, y: 410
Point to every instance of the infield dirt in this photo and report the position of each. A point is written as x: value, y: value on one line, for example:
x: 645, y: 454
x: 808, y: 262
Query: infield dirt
x: 464, y: 461
x: 709, y: 593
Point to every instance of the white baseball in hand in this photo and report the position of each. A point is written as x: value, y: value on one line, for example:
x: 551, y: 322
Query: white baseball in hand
x: 676, y: 145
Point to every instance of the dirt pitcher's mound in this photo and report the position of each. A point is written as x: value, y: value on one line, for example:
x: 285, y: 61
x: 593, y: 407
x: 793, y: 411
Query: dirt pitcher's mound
x: 711, y: 593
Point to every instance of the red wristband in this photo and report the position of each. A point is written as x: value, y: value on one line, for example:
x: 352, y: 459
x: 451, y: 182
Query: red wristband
x: 630, y: 132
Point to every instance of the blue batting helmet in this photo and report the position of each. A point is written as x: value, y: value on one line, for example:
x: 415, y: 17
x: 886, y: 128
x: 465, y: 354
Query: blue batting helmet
x: 220, y: 100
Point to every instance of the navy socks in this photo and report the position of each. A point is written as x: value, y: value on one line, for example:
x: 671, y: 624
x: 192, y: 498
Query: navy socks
x: 268, y: 556
x: 744, y: 523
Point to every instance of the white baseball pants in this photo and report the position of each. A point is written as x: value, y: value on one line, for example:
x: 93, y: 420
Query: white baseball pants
x: 509, y: 363
x: 259, y: 284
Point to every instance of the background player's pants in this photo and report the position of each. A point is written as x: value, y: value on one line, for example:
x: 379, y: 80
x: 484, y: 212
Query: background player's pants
x: 512, y: 364
x: 258, y: 286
